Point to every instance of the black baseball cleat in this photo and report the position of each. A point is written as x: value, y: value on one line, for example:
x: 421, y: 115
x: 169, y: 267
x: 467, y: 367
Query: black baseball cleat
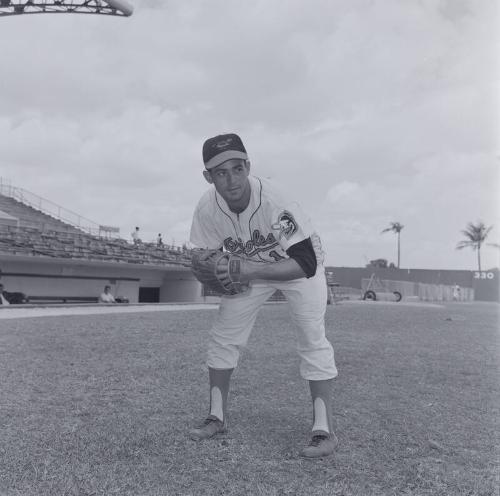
x: 208, y: 429
x: 320, y: 445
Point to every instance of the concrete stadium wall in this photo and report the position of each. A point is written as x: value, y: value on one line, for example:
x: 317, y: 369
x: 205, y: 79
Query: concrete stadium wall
x: 66, y: 277
x: 69, y: 286
x: 180, y: 286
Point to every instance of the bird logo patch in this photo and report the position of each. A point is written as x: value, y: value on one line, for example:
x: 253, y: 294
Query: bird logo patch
x: 223, y: 143
x: 286, y: 225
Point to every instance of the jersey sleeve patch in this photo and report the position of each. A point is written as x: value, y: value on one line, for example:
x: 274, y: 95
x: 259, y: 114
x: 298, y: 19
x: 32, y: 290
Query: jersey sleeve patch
x: 286, y: 225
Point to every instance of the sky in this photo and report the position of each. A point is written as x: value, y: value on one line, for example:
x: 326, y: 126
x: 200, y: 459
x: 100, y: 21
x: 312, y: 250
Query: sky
x: 366, y: 111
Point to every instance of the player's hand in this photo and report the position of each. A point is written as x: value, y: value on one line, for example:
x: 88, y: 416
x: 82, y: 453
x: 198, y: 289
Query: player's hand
x: 222, y: 272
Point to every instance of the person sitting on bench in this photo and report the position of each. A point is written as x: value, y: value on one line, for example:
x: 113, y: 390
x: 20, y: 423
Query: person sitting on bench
x: 107, y: 297
x: 3, y: 296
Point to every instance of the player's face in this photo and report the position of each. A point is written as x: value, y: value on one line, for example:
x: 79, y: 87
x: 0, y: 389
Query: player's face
x: 231, y: 182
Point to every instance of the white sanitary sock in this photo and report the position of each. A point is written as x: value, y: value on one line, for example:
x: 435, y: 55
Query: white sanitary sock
x: 320, y: 417
x: 216, y: 403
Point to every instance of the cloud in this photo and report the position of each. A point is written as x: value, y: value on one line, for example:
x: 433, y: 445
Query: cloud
x: 434, y: 200
x: 367, y: 112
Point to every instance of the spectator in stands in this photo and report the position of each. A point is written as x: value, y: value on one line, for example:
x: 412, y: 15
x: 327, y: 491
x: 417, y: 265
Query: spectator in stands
x: 159, y: 241
x: 107, y: 297
x: 135, y: 236
x: 3, y: 296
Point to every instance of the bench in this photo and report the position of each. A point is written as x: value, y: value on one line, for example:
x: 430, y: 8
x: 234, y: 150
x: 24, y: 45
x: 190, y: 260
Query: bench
x: 15, y: 298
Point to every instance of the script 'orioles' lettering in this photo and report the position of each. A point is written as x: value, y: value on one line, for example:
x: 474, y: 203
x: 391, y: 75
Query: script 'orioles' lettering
x: 258, y: 243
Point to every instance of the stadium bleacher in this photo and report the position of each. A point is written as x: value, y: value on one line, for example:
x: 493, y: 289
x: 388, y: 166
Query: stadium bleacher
x: 35, y: 242
x: 38, y: 234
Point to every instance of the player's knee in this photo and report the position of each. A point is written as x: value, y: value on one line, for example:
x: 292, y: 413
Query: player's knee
x: 318, y: 368
x: 222, y: 356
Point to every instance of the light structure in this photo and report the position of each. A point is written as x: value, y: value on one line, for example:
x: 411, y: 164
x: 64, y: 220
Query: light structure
x: 104, y: 7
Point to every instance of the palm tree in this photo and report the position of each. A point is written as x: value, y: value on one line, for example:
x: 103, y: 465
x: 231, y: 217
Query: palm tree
x: 475, y: 235
x: 395, y: 227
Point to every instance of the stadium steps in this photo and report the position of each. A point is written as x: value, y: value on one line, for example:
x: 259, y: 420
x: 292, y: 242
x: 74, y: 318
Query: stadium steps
x: 30, y: 217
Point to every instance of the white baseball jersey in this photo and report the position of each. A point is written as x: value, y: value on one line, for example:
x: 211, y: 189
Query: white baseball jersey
x: 263, y: 232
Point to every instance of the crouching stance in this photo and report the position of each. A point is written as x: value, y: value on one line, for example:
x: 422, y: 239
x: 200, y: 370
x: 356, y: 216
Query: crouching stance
x: 251, y: 241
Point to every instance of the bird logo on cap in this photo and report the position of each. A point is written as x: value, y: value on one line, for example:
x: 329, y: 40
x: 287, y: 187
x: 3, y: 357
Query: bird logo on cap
x: 223, y: 144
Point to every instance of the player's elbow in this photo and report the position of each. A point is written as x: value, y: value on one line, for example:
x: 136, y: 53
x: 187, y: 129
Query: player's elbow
x: 303, y: 253
x: 309, y: 267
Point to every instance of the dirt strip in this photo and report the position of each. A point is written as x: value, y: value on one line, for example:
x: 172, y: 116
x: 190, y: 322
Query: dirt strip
x: 17, y: 312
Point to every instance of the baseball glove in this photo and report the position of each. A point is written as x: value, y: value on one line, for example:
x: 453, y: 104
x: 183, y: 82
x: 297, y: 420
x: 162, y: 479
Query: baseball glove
x: 219, y: 271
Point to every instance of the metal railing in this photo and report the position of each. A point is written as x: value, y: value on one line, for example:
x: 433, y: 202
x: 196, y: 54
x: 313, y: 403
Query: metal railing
x: 50, y: 208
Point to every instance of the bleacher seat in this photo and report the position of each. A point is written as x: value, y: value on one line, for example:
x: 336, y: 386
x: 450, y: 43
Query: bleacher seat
x: 41, y: 235
x: 38, y: 242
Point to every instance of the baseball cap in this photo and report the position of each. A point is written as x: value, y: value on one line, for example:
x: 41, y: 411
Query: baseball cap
x: 222, y: 148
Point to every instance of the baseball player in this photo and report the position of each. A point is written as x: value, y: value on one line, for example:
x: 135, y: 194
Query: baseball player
x: 248, y: 216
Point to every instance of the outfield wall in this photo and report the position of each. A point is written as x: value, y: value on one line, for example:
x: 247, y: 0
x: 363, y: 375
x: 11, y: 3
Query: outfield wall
x: 485, y: 284
x: 352, y: 276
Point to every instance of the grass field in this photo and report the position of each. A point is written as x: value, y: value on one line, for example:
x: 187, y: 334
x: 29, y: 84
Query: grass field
x: 100, y: 405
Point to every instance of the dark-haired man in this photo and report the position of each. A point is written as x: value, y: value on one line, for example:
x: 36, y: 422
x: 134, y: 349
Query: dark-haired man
x: 249, y: 216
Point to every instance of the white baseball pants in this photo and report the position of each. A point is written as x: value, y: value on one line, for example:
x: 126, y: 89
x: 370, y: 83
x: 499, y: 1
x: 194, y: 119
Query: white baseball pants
x: 307, y: 302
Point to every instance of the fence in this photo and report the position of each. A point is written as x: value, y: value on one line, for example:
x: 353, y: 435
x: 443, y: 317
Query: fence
x: 424, y: 292
x: 440, y: 292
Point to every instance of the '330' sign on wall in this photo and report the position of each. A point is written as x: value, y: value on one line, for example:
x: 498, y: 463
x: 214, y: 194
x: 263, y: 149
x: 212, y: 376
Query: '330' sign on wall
x: 484, y: 275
